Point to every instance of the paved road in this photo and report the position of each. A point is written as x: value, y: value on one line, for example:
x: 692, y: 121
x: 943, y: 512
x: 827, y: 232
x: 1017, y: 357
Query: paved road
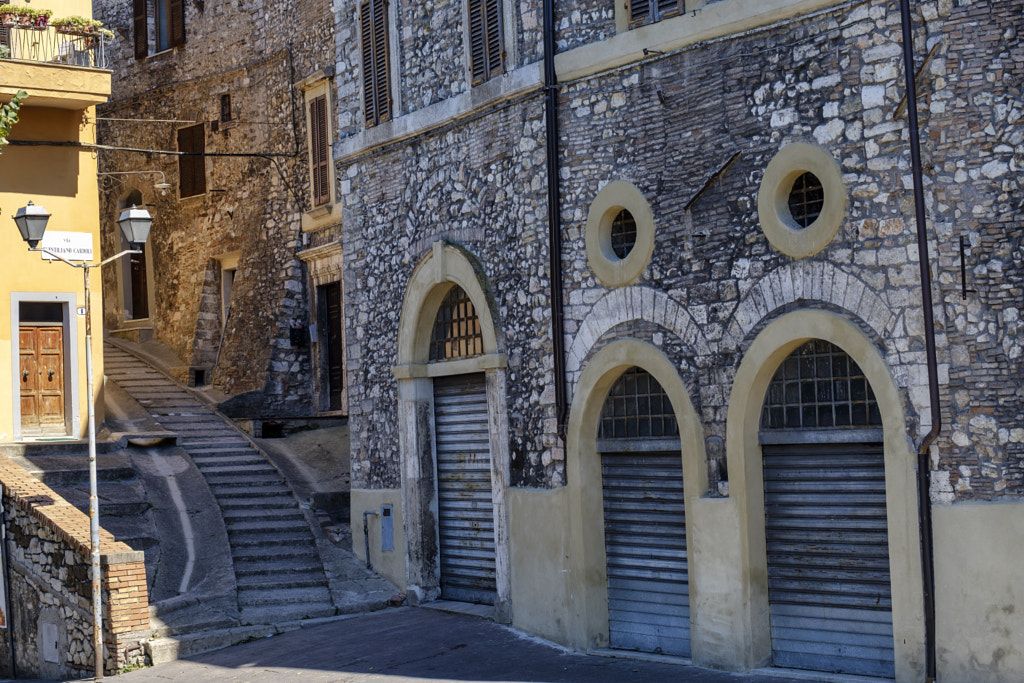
x: 409, y: 644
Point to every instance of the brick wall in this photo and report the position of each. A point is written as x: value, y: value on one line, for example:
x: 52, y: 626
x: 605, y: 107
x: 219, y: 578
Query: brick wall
x: 50, y: 600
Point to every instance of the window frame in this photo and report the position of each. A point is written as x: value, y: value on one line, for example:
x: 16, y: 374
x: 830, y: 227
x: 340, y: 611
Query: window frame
x: 147, y: 42
x: 642, y: 12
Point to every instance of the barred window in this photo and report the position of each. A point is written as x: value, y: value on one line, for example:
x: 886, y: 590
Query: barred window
x: 456, y: 328
x: 817, y: 386
x: 637, y: 407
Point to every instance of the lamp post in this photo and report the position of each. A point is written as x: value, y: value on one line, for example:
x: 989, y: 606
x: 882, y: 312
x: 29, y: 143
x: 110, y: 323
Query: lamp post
x: 134, y: 223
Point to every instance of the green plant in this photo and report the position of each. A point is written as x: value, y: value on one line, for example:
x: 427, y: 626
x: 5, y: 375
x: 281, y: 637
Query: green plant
x: 107, y: 34
x: 26, y: 11
x: 8, y: 9
x: 9, y: 116
x: 44, y: 12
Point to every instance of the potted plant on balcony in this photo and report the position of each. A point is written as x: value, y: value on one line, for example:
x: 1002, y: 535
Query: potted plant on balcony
x: 72, y: 26
x: 42, y: 18
x: 26, y: 16
x: 9, y: 15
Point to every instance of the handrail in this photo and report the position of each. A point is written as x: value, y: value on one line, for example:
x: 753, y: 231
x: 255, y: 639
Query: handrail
x: 50, y: 46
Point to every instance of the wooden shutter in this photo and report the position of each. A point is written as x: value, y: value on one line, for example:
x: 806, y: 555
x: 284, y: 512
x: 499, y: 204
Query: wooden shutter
x: 487, y: 56
x: 373, y: 21
x: 319, y: 146
x: 669, y: 8
x: 176, y: 10
x: 192, y: 169
x: 141, y: 29
x: 639, y: 11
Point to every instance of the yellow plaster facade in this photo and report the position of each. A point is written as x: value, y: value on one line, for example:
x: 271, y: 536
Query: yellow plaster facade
x: 62, y: 178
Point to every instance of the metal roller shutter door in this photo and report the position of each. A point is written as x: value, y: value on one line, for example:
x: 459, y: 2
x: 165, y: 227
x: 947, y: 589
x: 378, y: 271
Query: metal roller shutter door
x: 645, y: 544
x: 828, y: 558
x: 465, y: 506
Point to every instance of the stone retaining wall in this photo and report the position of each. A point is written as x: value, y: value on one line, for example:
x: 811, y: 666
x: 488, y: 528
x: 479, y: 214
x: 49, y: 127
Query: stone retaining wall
x: 50, y: 589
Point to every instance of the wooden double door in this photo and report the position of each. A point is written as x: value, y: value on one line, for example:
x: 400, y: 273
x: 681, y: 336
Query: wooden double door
x: 41, y: 371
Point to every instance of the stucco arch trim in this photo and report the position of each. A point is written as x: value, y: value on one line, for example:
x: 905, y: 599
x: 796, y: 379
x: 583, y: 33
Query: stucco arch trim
x: 443, y: 266
x: 588, y: 576
x: 746, y: 483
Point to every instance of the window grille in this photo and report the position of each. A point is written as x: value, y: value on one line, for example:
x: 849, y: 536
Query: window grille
x: 623, y: 234
x: 817, y: 386
x: 806, y: 199
x: 637, y: 407
x: 456, y: 328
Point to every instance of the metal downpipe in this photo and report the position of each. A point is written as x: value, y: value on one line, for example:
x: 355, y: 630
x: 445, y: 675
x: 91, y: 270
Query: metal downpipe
x: 554, y: 217
x: 923, y: 465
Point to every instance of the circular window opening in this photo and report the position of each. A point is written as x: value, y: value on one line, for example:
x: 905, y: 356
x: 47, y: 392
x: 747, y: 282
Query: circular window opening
x: 623, y: 234
x: 806, y: 199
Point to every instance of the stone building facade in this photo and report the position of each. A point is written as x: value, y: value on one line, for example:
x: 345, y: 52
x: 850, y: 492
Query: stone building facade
x: 742, y: 290
x: 211, y: 126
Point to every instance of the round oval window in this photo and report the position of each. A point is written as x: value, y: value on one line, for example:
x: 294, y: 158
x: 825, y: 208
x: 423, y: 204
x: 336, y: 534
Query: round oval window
x: 806, y: 199
x: 623, y: 235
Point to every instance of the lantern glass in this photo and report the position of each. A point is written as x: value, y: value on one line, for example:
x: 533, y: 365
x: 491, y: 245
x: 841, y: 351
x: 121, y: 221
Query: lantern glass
x: 31, y: 221
x: 135, y: 224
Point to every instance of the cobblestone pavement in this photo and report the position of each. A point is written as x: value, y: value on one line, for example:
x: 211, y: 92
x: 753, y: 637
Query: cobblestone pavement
x: 415, y: 644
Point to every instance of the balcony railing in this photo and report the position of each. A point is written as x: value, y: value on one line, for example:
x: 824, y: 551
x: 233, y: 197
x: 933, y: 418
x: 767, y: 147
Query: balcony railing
x: 53, y: 47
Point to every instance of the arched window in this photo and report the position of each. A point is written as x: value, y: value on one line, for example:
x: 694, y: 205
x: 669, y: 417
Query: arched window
x: 456, y: 331
x: 637, y: 407
x: 819, y: 386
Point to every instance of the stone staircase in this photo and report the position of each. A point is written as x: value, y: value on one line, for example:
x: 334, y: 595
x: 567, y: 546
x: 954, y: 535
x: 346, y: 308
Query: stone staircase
x: 278, y: 569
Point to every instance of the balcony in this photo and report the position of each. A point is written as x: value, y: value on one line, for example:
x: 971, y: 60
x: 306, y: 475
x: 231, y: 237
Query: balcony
x: 63, y: 70
x: 53, y: 47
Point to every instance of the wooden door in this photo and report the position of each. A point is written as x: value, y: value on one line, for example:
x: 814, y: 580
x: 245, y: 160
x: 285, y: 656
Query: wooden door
x: 335, y: 352
x: 41, y: 351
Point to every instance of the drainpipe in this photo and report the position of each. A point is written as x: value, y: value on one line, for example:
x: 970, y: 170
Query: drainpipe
x: 366, y: 534
x: 923, y: 464
x: 554, y: 216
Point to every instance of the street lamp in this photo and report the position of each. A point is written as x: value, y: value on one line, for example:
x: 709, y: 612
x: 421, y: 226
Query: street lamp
x: 134, y: 224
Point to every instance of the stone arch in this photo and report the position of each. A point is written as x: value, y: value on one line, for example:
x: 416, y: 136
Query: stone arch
x: 802, y: 281
x: 587, y: 574
x: 626, y: 304
x: 446, y: 265
x: 746, y: 484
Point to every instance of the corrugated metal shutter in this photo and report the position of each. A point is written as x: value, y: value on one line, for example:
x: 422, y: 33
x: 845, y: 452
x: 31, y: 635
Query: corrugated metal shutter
x: 465, y: 506
x: 645, y: 544
x: 828, y: 558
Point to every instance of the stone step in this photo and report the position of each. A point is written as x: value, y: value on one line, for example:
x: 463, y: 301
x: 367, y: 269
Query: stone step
x: 279, y: 568
x: 231, y: 481
x: 243, y: 539
x: 259, y: 554
x: 245, y: 525
x: 312, y: 597
x: 215, y: 458
x: 264, y: 582
x: 277, y: 515
x: 226, y: 493
x: 263, y: 468
x: 277, y: 502
x: 275, y: 614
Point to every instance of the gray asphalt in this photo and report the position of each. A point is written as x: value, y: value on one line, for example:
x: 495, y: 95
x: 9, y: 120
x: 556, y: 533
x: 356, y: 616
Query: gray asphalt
x: 416, y: 644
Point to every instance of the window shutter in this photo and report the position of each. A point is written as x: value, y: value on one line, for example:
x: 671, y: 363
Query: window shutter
x: 192, y: 169
x: 186, y: 172
x: 373, y: 22
x: 477, y: 50
x: 639, y: 11
x: 669, y: 8
x: 176, y: 9
x: 380, y: 59
x: 495, y: 53
x: 319, y: 170
x: 141, y: 29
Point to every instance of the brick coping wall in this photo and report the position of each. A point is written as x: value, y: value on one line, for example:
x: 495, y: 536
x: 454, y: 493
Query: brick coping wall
x: 49, y: 567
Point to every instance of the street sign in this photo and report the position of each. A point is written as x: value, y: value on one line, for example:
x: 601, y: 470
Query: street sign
x: 74, y: 246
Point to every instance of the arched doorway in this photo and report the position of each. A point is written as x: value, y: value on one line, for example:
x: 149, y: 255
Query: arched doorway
x: 644, y: 518
x: 465, y: 508
x: 826, y: 529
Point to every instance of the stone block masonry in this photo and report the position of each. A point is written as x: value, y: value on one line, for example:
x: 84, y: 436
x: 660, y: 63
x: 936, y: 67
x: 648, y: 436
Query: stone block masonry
x: 50, y: 600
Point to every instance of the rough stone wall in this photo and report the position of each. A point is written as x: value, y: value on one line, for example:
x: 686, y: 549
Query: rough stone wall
x: 255, y: 53
x: 432, y: 50
x: 479, y: 186
x: 49, y: 565
x: 583, y: 22
x: 834, y: 80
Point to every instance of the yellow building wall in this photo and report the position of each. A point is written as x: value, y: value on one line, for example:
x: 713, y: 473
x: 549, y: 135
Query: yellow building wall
x: 62, y: 179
